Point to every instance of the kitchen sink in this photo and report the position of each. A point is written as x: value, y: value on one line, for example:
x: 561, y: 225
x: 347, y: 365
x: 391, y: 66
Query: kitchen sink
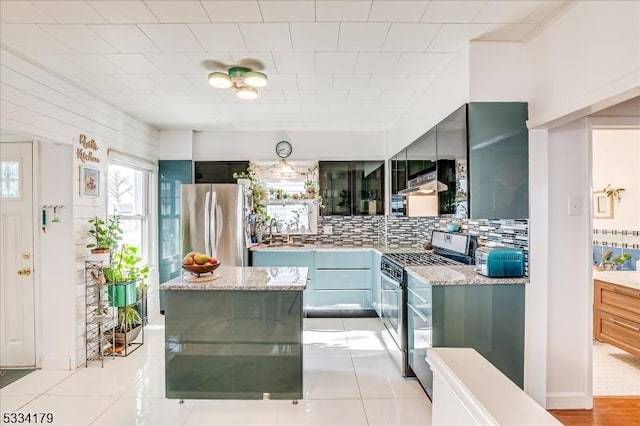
x: 283, y: 245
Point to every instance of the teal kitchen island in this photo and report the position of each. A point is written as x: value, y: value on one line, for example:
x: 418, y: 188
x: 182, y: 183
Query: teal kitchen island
x: 236, y: 334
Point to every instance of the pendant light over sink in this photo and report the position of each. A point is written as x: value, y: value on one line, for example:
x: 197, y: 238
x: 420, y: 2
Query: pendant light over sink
x: 242, y: 80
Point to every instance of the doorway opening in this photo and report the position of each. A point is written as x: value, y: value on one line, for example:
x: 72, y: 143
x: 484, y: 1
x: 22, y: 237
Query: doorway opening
x: 616, y: 256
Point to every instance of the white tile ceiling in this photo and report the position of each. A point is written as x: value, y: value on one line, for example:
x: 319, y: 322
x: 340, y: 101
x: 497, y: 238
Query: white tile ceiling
x: 332, y: 64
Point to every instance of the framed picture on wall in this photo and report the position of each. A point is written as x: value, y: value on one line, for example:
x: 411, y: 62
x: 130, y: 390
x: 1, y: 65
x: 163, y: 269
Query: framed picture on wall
x: 89, y: 181
x: 602, y: 205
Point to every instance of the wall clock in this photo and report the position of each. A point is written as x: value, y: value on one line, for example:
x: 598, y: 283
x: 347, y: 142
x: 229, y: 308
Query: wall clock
x: 283, y: 149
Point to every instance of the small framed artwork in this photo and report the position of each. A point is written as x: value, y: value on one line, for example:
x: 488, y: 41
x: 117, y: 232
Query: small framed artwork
x: 602, y: 205
x: 89, y: 181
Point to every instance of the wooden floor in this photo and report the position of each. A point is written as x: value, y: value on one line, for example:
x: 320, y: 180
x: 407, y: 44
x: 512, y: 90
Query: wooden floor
x: 607, y: 411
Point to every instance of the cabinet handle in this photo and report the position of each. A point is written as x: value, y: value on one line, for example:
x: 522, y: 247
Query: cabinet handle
x: 625, y: 292
x: 621, y: 324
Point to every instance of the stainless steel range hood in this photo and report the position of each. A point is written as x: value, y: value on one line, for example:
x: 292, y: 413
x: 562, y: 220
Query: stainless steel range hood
x: 426, y: 184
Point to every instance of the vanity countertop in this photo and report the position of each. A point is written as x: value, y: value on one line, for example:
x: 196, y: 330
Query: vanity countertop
x: 629, y: 279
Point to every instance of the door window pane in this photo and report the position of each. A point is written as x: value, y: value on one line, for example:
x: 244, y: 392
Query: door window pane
x: 10, y: 179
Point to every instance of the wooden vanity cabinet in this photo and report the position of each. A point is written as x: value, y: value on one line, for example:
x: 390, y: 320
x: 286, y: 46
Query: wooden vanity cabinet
x: 616, y: 316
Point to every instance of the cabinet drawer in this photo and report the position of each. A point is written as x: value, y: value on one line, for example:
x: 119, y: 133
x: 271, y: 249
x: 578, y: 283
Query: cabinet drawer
x: 326, y: 279
x: 619, y: 331
x: 618, y: 300
x: 343, y: 259
x: 283, y: 258
x: 342, y: 300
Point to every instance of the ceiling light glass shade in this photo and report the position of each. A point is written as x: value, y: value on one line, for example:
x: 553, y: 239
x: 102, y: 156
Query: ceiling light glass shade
x: 255, y: 79
x: 247, y: 93
x: 220, y: 80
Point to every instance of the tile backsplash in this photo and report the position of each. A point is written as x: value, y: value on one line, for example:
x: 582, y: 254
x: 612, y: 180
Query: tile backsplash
x: 401, y: 232
x: 618, y: 242
x: 617, y: 238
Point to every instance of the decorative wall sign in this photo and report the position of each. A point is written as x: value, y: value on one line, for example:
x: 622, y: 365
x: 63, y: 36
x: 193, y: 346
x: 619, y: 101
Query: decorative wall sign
x: 89, y: 181
x: 87, y: 150
x: 602, y: 205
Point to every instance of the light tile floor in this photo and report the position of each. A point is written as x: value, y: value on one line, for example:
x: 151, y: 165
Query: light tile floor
x: 349, y: 379
x: 615, y: 372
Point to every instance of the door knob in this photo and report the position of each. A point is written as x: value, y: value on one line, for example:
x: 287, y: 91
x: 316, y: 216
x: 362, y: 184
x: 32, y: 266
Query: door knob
x: 24, y: 271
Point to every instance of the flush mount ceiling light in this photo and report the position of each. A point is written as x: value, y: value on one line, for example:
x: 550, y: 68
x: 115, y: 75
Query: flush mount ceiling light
x: 241, y: 79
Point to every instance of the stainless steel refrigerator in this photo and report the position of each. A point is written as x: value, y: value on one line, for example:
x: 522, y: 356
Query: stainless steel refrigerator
x: 215, y: 221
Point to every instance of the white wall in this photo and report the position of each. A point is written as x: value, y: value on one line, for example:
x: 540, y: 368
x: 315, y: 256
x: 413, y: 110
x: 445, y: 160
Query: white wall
x: 175, y: 145
x: 536, y: 297
x: 56, y: 248
x: 588, y: 55
x: 307, y: 146
x: 568, y: 255
x: 498, y: 72
x: 616, y: 161
x: 35, y: 102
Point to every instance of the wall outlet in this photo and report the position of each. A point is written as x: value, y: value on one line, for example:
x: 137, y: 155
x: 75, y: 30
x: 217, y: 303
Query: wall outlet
x: 327, y: 229
x: 575, y: 205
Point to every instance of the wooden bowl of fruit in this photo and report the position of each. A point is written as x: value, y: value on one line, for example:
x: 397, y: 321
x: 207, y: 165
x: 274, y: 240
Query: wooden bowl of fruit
x: 199, y: 263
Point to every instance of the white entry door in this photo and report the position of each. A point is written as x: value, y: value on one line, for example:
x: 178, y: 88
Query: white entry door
x: 17, y: 324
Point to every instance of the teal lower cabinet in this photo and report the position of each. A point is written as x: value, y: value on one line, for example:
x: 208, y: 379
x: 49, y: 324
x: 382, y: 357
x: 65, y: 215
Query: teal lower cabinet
x: 289, y: 258
x: 487, y: 318
x: 341, y: 282
x: 233, y: 344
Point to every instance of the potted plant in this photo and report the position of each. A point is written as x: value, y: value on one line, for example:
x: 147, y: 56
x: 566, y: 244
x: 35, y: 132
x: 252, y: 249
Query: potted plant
x: 608, y: 263
x: 124, y: 275
x: 615, y: 192
x: 129, y: 324
x: 259, y: 194
x: 126, y: 289
x: 106, y: 235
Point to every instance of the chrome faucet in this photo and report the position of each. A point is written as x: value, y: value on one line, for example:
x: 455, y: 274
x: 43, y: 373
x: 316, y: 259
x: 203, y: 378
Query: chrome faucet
x: 271, y: 223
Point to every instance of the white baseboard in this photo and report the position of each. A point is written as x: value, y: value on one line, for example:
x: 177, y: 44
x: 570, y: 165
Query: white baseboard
x: 569, y: 401
x: 55, y: 363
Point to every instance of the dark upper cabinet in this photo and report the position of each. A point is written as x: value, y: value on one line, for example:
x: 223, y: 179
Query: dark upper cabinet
x: 422, y: 155
x: 351, y: 187
x: 398, y: 167
x: 499, y: 160
x: 218, y: 171
x: 481, y: 158
x: 452, y: 164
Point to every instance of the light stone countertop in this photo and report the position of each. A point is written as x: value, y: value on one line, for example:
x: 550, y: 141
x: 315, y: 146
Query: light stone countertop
x: 458, y: 275
x: 629, y: 279
x: 243, y: 278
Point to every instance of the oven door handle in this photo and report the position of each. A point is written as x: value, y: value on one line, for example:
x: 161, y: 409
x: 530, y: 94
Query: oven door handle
x: 391, y: 283
x: 422, y: 316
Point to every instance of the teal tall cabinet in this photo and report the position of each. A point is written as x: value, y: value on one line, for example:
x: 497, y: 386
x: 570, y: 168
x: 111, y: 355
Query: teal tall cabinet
x: 172, y: 174
x: 498, y: 160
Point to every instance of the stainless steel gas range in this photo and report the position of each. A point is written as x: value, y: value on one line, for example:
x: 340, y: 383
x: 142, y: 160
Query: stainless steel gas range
x: 448, y: 249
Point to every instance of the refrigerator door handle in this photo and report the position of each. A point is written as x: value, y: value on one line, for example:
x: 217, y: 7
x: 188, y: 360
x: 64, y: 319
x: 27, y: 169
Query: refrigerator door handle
x: 217, y: 224
x: 207, y: 223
